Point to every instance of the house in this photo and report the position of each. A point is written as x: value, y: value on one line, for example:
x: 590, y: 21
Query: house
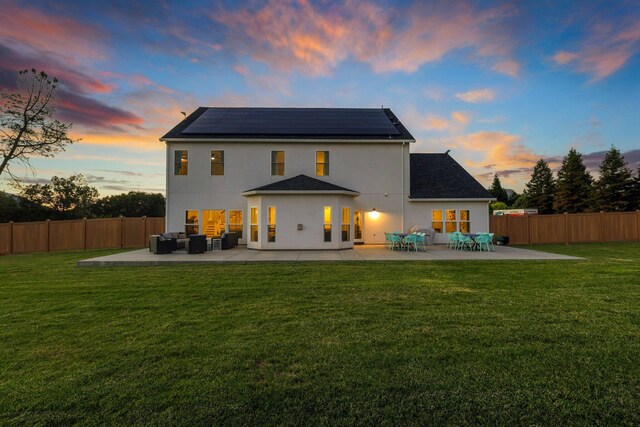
x: 312, y: 178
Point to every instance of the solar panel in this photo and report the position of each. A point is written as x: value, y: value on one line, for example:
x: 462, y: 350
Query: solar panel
x: 293, y: 121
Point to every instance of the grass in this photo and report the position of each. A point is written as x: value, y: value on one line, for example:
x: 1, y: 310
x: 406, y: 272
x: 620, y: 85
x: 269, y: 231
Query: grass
x: 503, y: 342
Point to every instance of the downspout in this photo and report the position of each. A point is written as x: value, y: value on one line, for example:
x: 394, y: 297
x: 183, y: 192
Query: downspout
x: 402, y: 192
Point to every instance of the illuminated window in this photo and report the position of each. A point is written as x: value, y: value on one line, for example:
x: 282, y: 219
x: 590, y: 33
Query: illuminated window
x: 235, y: 222
x: 217, y: 162
x: 451, y: 221
x: 346, y: 224
x: 191, y: 222
x: 322, y: 163
x: 213, y: 222
x: 181, y: 162
x: 271, y: 224
x: 254, y: 224
x: 465, y: 221
x: 277, y: 163
x: 327, y: 223
x: 436, y: 221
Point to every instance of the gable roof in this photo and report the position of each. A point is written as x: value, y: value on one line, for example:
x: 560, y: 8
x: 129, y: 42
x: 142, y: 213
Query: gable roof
x: 301, y: 184
x: 256, y: 124
x: 438, y: 176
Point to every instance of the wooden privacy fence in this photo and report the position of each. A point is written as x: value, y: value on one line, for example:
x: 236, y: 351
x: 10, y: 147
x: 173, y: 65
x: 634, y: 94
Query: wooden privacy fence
x: 567, y: 228
x: 78, y: 234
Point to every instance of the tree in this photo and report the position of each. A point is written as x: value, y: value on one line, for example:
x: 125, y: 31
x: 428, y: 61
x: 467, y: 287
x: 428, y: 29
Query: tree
x: 132, y: 204
x: 497, y: 190
x: 635, y: 194
x: 573, y: 186
x: 540, y: 189
x: 68, y: 198
x: 613, y: 191
x: 26, y: 125
x: 496, y: 206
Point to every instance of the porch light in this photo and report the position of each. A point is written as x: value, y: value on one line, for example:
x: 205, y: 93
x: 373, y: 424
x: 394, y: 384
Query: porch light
x: 374, y: 214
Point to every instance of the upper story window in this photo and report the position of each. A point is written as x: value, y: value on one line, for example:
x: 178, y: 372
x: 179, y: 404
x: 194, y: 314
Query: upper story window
x: 181, y: 162
x: 322, y: 163
x: 277, y: 163
x: 217, y: 162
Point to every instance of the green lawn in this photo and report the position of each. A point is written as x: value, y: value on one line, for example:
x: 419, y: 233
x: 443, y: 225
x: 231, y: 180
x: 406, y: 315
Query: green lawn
x: 505, y: 342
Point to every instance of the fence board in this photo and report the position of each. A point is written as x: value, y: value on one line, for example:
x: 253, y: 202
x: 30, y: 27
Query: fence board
x: 5, y: 239
x: 584, y: 228
x: 499, y: 225
x: 518, y: 229
x: 66, y: 235
x: 104, y: 233
x: 153, y: 226
x: 619, y: 226
x: 30, y: 237
x: 547, y: 229
x: 133, y: 233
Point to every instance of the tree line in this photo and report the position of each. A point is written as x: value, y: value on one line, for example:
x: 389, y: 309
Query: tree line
x: 73, y: 198
x: 573, y: 189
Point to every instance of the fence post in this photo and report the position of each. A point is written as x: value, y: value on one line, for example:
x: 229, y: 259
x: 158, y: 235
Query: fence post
x: 145, y: 239
x: 84, y: 233
x: 10, y: 237
x: 48, y: 235
x: 566, y: 228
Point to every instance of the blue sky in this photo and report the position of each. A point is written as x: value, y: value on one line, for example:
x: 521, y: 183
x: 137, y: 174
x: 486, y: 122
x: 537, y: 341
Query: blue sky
x: 501, y: 84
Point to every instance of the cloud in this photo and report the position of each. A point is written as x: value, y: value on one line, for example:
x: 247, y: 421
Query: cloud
x: 88, y: 112
x: 315, y: 39
x: 606, y: 49
x: 62, y: 36
x: 456, y: 122
x: 476, y: 96
x: 509, y: 67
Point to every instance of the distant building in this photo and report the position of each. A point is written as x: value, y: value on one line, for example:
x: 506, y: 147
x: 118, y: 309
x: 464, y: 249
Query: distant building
x: 515, y: 212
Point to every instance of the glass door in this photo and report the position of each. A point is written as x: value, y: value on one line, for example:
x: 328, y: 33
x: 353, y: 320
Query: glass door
x: 358, y: 226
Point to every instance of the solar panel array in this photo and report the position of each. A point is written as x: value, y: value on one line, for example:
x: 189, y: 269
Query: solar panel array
x: 292, y: 121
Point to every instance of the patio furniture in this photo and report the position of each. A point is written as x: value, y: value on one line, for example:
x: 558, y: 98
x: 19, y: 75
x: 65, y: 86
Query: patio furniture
x: 420, y: 240
x: 160, y: 245
x: 229, y: 240
x: 215, y: 244
x: 482, y: 241
x: 491, y: 241
x: 197, y: 244
x: 387, y: 240
x: 179, y: 239
x: 410, y: 241
x: 396, y: 241
x: 466, y: 240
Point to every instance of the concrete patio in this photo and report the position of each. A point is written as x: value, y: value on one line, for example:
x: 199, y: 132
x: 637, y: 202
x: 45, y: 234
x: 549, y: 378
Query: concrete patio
x: 359, y: 253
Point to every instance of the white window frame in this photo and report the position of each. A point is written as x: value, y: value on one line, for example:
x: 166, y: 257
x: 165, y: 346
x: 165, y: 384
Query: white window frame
x: 327, y: 164
x: 330, y: 224
x: 284, y: 160
x: 252, y: 224
x: 174, y: 162
x: 442, y: 221
x: 348, y: 224
x: 211, y: 164
x: 269, y: 224
x: 240, y: 224
x: 196, y: 224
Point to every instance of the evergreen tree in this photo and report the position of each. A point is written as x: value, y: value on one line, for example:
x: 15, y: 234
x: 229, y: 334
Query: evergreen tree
x: 540, y: 189
x: 613, y: 191
x: 635, y: 194
x: 573, y: 186
x: 497, y: 190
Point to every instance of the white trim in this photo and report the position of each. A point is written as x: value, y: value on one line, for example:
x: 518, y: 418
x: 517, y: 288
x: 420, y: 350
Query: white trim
x: 453, y: 200
x: 211, y: 161
x: 315, y: 168
x: 251, y: 224
x: 302, y: 140
x: 350, y: 216
x: 284, y: 161
x: 173, y: 162
x: 294, y: 192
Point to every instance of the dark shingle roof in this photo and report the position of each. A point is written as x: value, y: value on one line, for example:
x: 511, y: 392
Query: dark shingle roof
x: 438, y: 176
x: 301, y: 183
x: 291, y: 123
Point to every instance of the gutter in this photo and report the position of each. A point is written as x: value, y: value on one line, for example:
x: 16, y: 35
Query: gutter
x: 292, y: 140
x: 299, y: 192
x: 481, y: 199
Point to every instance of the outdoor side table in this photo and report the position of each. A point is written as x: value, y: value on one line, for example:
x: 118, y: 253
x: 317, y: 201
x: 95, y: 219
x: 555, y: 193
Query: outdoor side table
x: 215, y: 244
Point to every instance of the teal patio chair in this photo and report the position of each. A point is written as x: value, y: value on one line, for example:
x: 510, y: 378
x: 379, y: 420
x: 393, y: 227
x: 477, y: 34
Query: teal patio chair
x: 493, y: 248
x: 410, y: 242
x: 420, y: 241
x: 482, y: 241
x: 396, y: 241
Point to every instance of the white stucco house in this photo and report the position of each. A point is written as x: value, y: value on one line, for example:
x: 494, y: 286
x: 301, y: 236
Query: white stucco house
x: 312, y: 178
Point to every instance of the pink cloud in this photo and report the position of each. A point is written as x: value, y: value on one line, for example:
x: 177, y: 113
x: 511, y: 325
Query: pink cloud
x: 476, y: 96
x: 315, y: 39
x: 63, y: 36
x: 509, y: 67
x: 606, y: 49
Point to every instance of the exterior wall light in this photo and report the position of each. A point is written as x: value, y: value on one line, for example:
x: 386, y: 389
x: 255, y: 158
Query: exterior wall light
x: 374, y: 214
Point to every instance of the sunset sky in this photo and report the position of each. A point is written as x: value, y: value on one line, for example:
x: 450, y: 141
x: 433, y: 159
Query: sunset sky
x: 501, y: 84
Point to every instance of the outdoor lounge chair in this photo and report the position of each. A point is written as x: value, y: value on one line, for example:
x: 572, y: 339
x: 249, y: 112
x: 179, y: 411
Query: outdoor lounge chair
x: 160, y: 245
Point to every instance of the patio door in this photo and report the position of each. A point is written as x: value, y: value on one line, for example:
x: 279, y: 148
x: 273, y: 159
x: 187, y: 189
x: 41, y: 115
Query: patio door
x: 358, y: 226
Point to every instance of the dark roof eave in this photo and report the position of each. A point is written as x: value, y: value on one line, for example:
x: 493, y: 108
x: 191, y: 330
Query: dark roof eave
x: 300, y: 192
